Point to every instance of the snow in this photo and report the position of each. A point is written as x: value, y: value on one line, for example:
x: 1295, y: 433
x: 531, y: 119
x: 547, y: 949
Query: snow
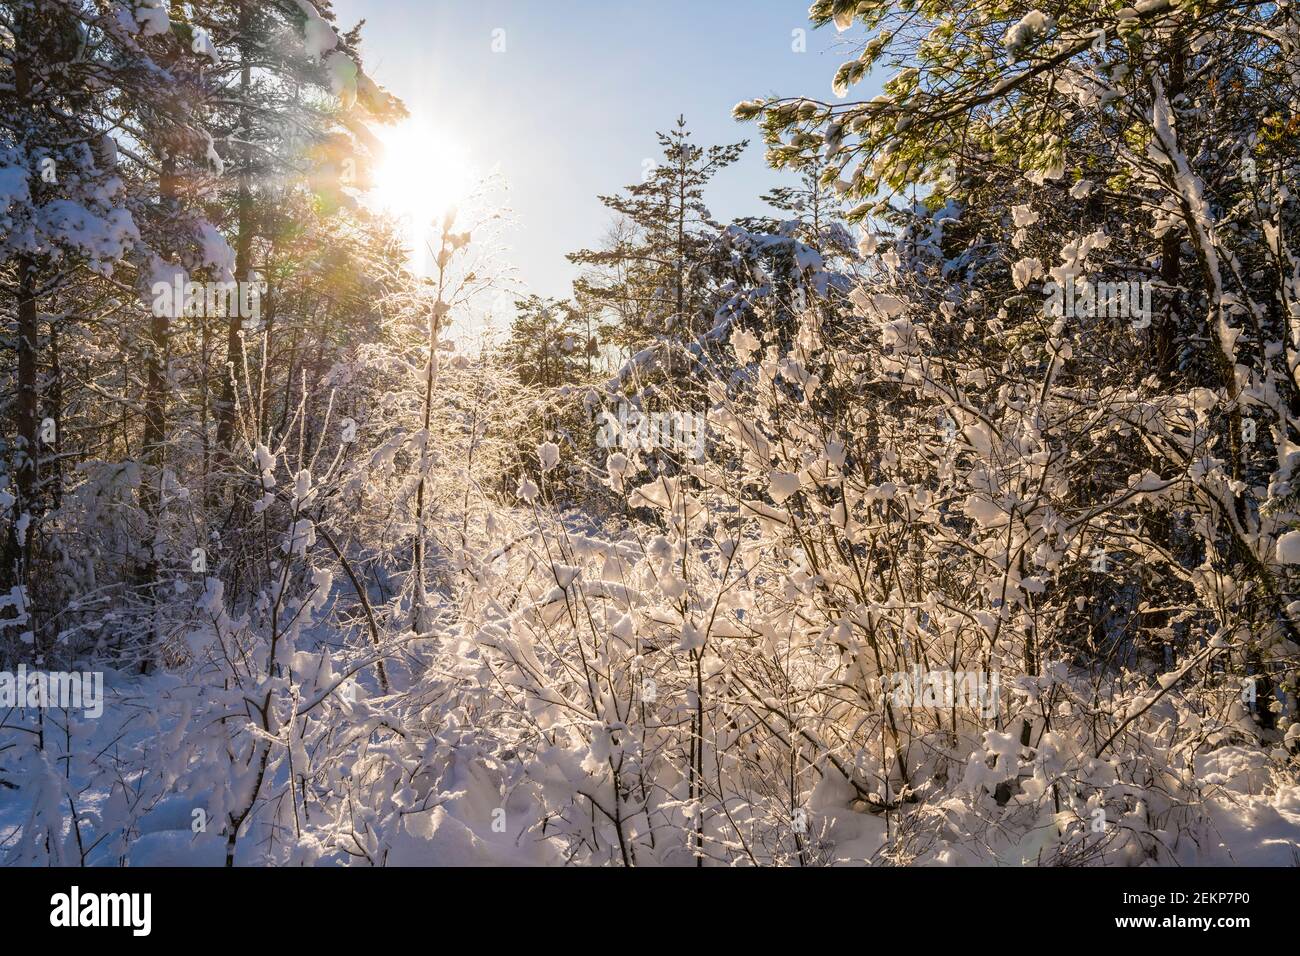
x: 986, y: 513
x: 342, y: 72
x: 783, y: 484
x: 1027, y: 28
x: 1026, y: 270
x: 13, y: 190
x: 152, y: 17
x: 216, y: 251
x: 318, y: 36
x: 202, y: 44
x: 101, y: 238
x: 1288, y: 548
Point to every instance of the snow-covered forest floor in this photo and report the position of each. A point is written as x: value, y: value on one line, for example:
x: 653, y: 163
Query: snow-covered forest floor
x: 442, y: 770
x: 944, y: 514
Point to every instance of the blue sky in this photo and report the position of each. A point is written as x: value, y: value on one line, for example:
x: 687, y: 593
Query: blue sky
x: 571, y: 107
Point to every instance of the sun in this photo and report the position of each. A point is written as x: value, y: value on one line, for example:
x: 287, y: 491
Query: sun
x: 422, y: 174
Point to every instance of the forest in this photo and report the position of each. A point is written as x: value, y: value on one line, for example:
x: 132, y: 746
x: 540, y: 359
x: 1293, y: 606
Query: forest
x: 940, y: 512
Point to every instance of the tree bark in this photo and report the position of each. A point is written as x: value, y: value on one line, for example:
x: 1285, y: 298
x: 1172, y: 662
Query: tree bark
x: 225, y: 406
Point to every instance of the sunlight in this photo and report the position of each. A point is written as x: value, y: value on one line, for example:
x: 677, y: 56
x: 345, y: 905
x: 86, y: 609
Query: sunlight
x: 422, y: 174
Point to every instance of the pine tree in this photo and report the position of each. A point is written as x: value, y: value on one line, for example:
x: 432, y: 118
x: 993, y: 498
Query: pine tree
x: 550, y: 342
x: 654, y: 275
x: 73, y: 75
x: 820, y: 211
x: 297, y: 112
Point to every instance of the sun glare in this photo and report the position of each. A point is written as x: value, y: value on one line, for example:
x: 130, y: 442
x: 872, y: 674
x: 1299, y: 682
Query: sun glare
x: 422, y: 174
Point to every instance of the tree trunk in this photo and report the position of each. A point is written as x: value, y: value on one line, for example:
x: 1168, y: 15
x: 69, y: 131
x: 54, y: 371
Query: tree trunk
x: 18, y: 552
x: 225, y: 406
x: 153, y: 446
